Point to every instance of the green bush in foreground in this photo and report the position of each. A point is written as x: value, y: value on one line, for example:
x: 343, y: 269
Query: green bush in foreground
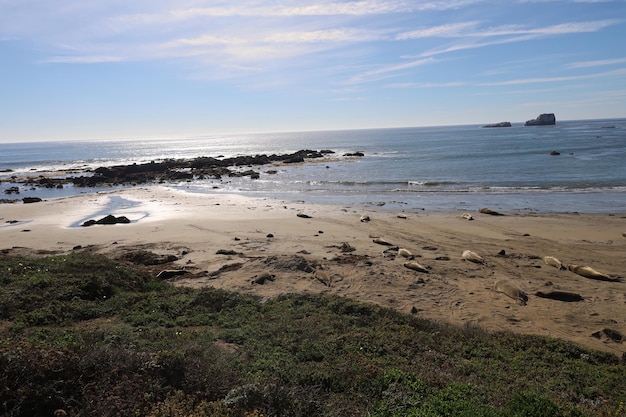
x: 90, y: 336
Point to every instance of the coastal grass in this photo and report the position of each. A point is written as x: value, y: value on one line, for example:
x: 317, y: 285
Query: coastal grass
x: 93, y: 336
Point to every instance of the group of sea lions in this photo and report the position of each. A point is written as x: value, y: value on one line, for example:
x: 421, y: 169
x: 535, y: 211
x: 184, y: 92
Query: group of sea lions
x: 504, y: 286
x: 582, y: 270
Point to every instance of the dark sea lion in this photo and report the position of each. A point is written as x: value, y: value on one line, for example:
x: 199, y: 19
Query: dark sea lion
x: 568, y: 297
x: 490, y: 212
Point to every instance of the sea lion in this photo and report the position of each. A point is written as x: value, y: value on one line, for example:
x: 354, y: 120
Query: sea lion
x: 402, y: 216
x: 381, y: 241
x: 566, y: 296
x: 416, y: 267
x: 511, y: 289
x: 589, y: 272
x: 552, y: 261
x: 468, y: 255
x: 489, y: 211
x: 170, y: 273
x: 405, y: 253
x: 467, y: 216
x: 365, y: 218
x: 323, y: 277
x: 262, y: 278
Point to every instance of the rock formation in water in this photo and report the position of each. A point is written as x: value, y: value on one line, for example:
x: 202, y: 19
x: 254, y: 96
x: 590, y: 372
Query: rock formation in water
x: 545, y: 119
x: 501, y: 124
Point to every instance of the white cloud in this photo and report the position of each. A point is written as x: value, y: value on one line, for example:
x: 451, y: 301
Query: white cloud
x: 443, y: 31
x: 471, y: 30
x: 331, y: 35
x: 87, y: 59
x: 555, y: 79
x: 598, y: 63
x: 387, y: 71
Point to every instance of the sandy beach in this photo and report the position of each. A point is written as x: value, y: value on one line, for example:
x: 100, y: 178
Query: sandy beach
x: 268, y: 247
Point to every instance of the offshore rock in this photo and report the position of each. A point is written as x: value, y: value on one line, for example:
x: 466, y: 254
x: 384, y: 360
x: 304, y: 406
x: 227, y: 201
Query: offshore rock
x: 501, y: 124
x: 545, y: 119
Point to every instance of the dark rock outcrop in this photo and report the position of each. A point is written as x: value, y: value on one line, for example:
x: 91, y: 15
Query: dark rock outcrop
x: 501, y: 124
x: 544, y: 119
x: 109, y: 219
x: 28, y: 200
x: 172, y: 170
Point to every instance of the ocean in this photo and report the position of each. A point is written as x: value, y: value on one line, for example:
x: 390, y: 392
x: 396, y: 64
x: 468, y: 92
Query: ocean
x: 443, y: 168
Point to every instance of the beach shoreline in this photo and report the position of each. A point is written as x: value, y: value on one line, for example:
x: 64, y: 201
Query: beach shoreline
x: 229, y: 241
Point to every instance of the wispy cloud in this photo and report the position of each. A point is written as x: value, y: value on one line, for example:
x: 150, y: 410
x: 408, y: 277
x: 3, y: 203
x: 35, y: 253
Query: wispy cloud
x: 471, y: 30
x: 598, y: 63
x: 320, y: 8
x: 537, y: 80
x: 387, y: 71
x: 87, y: 59
x: 222, y: 38
x: 512, y: 82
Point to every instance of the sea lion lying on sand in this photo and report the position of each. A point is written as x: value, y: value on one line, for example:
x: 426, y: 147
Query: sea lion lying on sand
x: 468, y: 255
x: 489, y: 211
x: 589, y: 272
x: 405, y: 253
x: 381, y: 241
x: 467, y: 216
x: 566, y: 296
x: 552, y: 261
x: 416, y: 267
x: 511, y: 289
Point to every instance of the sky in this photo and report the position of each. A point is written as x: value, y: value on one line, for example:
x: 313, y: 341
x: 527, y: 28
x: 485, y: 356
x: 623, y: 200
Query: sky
x: 120, y: 69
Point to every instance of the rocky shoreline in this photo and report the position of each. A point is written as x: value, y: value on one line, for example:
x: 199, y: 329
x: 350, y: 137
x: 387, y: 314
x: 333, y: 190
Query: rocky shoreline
x: 168, y: 170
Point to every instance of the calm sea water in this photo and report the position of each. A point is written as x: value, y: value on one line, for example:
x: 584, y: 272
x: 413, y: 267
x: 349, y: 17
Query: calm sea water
x: 432, y: 168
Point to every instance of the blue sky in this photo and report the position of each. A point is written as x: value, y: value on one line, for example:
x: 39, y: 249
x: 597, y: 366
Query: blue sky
x: 101, y: 69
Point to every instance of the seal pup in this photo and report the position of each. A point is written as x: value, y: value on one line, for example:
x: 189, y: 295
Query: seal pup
x: 589, y: 272
x: 468, y: 255
x: 552, y: 261
x: 365, y: 218
x: 405, y: 253
x: 511, y: 290
x: 416, y: 267
x: 402, y: 216
x: 467, y: 216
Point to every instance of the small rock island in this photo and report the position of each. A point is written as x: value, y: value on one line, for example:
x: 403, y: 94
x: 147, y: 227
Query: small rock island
x: 501, y: 124
x: 545, y: 119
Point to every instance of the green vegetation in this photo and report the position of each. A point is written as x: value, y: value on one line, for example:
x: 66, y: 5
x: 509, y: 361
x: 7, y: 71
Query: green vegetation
x: 93, y: 336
